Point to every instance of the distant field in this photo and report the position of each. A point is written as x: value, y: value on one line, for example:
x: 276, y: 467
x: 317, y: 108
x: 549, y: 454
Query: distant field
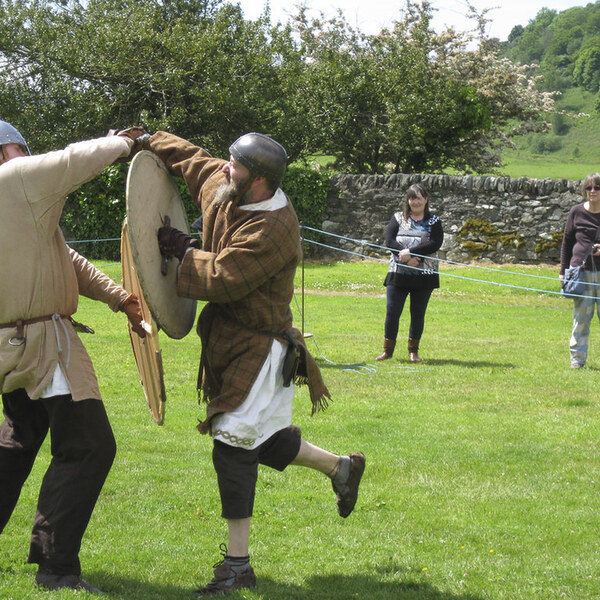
x: 577, y: 153
x: 542, y: 168
x: 534, y: 167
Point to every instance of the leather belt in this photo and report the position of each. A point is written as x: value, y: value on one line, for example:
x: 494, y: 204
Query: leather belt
x: 20, y: 324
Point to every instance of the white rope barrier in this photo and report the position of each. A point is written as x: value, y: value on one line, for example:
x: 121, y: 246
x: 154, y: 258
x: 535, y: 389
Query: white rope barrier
x: 445, y: 273
x: 365, y: 369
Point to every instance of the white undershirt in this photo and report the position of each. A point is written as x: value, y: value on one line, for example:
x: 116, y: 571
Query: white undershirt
x: 268, y: 406
x: 59, y: 385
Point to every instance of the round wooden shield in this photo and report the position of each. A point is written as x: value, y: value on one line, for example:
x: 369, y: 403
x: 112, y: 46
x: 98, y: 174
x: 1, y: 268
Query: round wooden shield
x: 151, y: 197
x: 146, y: 350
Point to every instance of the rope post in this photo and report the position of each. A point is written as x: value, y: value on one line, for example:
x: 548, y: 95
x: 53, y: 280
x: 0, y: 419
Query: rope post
x: 302, y: 294
x: 304, y: 335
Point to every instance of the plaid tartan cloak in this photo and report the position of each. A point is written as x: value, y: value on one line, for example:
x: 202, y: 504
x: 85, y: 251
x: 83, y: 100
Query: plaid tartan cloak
x: 245, y: 271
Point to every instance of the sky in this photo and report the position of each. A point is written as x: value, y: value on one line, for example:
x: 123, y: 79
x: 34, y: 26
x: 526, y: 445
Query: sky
x: 370, y: 16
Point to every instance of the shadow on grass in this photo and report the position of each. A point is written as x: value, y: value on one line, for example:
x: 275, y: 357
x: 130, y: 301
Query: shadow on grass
x: 344, y: 366
x: 472, y: 364
x: 126, y: 588
x: 326, y: 587
x: 358, y: 586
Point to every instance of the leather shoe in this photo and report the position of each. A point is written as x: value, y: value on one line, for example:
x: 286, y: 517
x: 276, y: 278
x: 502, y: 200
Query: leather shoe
x: 347, y: 493
x: 227, y: 580
x: 51, y: 581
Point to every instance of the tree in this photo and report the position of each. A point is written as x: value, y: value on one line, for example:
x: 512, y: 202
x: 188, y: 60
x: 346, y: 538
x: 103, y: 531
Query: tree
x: 515, y: 33
x: 195, y: 67
x: 586, y: 72
x: 557, y: 42
x: 409, y: 99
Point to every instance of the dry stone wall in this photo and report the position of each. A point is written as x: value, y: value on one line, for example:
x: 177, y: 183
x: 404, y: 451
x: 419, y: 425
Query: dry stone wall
x: 499, y: 219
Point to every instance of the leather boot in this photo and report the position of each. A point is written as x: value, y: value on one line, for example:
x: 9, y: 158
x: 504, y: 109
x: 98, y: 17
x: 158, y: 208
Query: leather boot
x: 388, y: 349
x: 413, y: 350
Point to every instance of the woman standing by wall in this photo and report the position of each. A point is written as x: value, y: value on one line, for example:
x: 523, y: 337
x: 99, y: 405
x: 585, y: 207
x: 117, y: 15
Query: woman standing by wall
x: 580, y: 247
x: 414, y: 235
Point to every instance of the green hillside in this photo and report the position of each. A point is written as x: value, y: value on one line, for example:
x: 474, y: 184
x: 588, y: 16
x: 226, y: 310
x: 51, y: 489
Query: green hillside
x: 570, y: 150
x: 566, y: 46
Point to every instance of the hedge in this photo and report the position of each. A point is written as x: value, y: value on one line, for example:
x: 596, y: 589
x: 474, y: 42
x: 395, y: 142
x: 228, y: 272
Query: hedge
x: 93, y: 215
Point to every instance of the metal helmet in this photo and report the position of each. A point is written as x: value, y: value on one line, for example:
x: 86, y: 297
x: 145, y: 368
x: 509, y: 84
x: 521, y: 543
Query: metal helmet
x: 10, y: 135
x: 261, y: 155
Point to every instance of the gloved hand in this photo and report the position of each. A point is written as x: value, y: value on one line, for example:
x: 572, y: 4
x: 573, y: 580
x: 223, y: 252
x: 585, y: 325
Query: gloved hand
x: 173, y: 242
x: 137, y: 134
x: 133, y: 133
x: 131, y: 307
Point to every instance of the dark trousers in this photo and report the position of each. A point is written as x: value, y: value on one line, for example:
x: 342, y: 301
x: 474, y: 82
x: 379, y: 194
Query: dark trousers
x: 237, y: 469
x: 83, y: 448
x: 396, y: 297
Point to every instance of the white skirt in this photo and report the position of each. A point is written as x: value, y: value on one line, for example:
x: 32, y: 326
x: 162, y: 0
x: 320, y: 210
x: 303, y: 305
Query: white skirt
x: 266, y: 410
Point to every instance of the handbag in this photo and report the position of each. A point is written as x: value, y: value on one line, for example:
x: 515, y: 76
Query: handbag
x: 573, y: 283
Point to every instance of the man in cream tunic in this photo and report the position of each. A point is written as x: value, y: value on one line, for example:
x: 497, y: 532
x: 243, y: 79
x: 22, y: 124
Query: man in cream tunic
x: 46, y: 376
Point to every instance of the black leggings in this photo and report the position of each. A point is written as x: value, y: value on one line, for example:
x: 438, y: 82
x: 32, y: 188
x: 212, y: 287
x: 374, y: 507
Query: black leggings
x: 83, y: 448
x: 395, y: 304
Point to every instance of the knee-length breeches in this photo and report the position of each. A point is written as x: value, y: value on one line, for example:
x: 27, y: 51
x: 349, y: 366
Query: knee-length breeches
x: 237, y: 469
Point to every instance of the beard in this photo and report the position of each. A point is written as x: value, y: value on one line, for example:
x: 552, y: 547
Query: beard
x: 231, y: 191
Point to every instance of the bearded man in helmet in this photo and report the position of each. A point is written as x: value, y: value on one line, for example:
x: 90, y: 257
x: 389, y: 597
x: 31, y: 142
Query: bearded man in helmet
x: 46, y: 376
x: 251, y: 354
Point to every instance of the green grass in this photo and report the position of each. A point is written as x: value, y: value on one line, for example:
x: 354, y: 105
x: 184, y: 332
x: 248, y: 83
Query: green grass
x: 541, y: 167
x: 482, y: 462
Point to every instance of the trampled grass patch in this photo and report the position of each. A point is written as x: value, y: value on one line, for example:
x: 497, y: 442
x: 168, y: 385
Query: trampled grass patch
x: 482, y: 461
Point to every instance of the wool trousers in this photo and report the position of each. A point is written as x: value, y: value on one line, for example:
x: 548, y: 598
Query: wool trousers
x: 237, y: 469
x: 83, y: 449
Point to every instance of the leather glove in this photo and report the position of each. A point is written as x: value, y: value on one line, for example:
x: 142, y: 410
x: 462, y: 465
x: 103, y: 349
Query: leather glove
x: 137, y: 134
x: 131, y: 307
x: 133, y: 133
x: 173, y: 242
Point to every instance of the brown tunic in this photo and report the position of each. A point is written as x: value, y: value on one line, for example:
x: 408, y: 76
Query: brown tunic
x: 245, y: 271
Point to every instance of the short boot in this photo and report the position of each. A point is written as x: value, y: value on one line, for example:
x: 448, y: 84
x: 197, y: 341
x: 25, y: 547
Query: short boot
x: 345, y: 479
x: 413, y: 350
x: 231, y: 573
x: 388, y: 349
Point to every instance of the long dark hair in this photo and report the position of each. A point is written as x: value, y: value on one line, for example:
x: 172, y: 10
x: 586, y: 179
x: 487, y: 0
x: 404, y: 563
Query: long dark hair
x: 417, y: 189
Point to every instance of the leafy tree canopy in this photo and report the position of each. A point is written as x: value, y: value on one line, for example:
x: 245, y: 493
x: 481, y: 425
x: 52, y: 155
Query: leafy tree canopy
x: 563, y: 44
x: 73, y: 70
x: 407, y: 99
x: 412, y: 100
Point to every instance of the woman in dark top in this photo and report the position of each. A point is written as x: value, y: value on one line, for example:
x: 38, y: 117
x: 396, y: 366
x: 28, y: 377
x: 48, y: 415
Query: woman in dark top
x: 414, y: 235
x: 581, y: 246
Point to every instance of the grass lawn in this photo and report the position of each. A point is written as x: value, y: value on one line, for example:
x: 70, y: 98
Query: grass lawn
x: 540, y: 167
x: 482, y: 461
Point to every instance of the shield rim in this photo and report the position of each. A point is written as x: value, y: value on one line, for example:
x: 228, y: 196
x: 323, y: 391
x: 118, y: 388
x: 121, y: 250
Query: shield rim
x: 151, y: 194
x: 147, y: 352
